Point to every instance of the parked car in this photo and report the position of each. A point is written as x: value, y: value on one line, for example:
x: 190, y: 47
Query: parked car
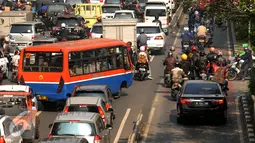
x: 124, y: 14
x: 96, y: 31
x: 63, y: 140
x: 91, y: 104
x: 6, y: 136
x: 81, y: 125
x: 102, y: 91
x: 201, y: 98
x: 156, y: 35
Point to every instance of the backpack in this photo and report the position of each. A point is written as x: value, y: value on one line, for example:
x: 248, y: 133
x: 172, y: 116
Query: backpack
x: 142, y: 59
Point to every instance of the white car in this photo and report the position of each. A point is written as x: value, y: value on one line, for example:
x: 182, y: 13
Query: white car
x: 96, y: 1
x: 109, y: 10
x: 7, y: 136
x: 155, y: 34
x: 96, y: 31
x: 124, y: 14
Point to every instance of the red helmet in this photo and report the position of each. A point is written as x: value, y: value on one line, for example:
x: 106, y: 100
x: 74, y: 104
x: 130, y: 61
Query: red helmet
x: 194, y: 48
x: 212, y: 49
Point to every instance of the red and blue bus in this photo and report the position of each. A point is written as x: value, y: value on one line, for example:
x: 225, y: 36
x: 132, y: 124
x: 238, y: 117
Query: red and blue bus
x: 53, y: 70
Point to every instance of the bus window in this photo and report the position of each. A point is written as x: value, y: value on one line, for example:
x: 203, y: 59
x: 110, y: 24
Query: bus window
x: 75, y: 64
x: 43, y: 62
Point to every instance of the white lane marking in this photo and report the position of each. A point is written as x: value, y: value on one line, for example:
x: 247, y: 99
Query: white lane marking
x: 239, y: 121
x: 152, y: 57
x: 122, y: 126
x: 38, y: 113
x: 148, y: 124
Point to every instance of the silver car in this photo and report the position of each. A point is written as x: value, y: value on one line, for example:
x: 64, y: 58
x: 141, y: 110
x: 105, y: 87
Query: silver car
x: 63, y: 140
x: 81, y: 125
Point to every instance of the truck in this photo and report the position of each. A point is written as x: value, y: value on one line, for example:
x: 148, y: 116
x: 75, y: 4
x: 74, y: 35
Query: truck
x: 120, y: 29
x: 8, y: 18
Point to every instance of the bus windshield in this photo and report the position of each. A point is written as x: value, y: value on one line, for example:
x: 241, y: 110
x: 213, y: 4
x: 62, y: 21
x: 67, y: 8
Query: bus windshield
x: 43, y: 62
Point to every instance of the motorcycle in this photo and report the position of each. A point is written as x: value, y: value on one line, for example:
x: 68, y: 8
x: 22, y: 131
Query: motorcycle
x: 176, y: 87
x: 203, y: 75
x: 14, y: 75
x: 185, y: 47
x: 167, y: 79
x: 201, y: 42
x: 141, y: 72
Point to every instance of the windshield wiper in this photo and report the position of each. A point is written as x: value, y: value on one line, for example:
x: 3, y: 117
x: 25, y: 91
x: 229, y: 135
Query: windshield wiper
x: 21, y: 34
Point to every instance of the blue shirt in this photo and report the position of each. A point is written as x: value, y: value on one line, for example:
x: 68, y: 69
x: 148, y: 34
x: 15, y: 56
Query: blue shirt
x: 43, y: 8
x: 188, y: 33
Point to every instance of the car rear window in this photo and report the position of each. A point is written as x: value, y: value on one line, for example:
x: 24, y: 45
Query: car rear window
x: 73, y: 2
x: 201, y: 88
x: 13, y: 105
x: 83, y: 108
x: 110, y: 9
x: 97, y: 29
x: 21, y: 28
x: 123, y: 15
x: 56, y: 8
x: 73, y: 128
x: 154, y: 12
x: 90, y: 93
x: 113, y: 1
x: 148, y: 30
x: 68, y: 22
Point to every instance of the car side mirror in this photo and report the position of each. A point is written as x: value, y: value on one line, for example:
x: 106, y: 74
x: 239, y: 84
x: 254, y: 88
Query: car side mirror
x: 109, y: 127
x: 50, y: 125
x: 110, y: 110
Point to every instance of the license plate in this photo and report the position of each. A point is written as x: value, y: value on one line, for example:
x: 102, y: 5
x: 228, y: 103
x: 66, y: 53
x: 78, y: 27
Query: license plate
x: 142, y: 69
x: 201, y: 40
x: 185, y: 46
x: 201, y: 103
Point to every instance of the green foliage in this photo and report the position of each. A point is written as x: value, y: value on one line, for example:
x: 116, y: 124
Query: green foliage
x: 252, y: 82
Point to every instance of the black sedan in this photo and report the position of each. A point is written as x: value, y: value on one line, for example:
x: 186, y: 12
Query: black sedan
x: 202, y: 98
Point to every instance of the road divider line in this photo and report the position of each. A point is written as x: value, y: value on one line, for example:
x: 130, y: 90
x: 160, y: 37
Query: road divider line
x: 122, y: 126
x: 148, y: 124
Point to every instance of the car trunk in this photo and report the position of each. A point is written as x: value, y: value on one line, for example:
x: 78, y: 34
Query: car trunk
x: 22, y: 33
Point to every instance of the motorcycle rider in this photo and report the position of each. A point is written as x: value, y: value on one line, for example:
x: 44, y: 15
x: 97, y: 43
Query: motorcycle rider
x: 220, y: 77
x: 143, y: 58
x: 15, y: 61
x: 185, y: 64
x: 186, y: 36
x: 142, y: 39
x: 130, y: 51
x: 157, y: 20
x: 212, y: 59
x: 63, y: 33
x: 169, y: 62
x: 177, y: 74
x: 247, y: 57
x: 221, y: 61
x: 201, y: 32
x: 194, y: 61
x: 203, y: 61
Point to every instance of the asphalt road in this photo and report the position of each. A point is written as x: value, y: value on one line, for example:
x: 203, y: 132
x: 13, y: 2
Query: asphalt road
x: 153, y: 101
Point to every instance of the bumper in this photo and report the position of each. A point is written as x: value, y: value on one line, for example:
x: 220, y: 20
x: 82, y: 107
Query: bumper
x: 207, y: 112
x: 160, y: 44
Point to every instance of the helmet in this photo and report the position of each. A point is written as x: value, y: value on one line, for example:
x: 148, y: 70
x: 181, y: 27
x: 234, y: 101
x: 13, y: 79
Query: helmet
x: 142, y: 48
x: 202, y: 53
x: 177, y: 64
x: 245, y: 45
x: 141, y: 31
x: 99, y: 19
x: 129, y: 43
x: 63, y: 25
x: 186, y: 28
x: 196, y: 12
x: 219, y: 53
x: 172, y: 48
x: 184, y: 57
x: 212, y: 49
x: 170, y: 54
x: 7, y: 39
x: 194, y: 48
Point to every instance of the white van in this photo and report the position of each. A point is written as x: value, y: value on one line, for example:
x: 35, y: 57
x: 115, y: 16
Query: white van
x: 169, y: 3
x: 152, y: 10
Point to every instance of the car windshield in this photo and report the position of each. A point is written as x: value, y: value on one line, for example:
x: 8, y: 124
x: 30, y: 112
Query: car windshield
x: 36, y: 43
x: 97, y: 29
x: 201, y: 89
x: 68, y: 21
x: 56, y: 8
x: 73, y: 129
x: 73, y: 2
x: 148, y: 30
x: 113, y: 1
x: 82, y: 108
x: 110, y: 9
x: 43, y: 62
x: 13, y: 105
x: 21, y: 28
x: 143, y: 1
x: 90, y: 93
x: 154, y: 12
x: 123, y: 15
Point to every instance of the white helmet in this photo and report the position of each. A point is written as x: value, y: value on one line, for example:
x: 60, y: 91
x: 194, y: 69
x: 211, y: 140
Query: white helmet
x: 63, y: 25
x: 142, y: 49
x: 186, y: 28
x: 196, y: 12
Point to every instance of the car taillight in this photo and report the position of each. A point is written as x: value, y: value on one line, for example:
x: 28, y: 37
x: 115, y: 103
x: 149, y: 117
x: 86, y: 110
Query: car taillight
x: 88, y: 1
x: 50, y: 135
x: 60, y: 85
x: 101, y: 0
x: 97, y: 139
x: 22, y: 81
x: 185, y: 101
x: 66, y: 109
x: 90, y: 34
x: 101, y: 112
x: 66, y: 11
x: 159, y: 38
x: 218, y: 102
x: 108, y: 106
x: 33, y: 37
x: 2, y: 139
x: 56, y: 28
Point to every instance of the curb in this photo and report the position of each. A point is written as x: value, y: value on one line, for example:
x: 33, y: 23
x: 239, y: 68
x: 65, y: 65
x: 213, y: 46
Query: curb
x: 247, y: 118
